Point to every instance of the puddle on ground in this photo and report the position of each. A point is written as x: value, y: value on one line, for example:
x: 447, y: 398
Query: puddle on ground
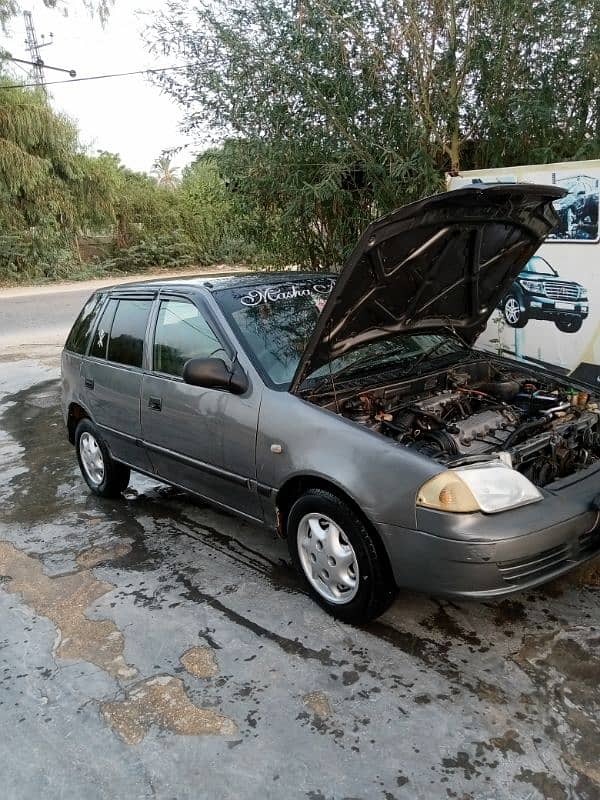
x: 94, y: 556
x: 64, y: 601
x: 163, y: 702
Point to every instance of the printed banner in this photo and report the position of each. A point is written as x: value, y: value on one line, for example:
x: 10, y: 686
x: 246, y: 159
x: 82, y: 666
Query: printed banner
x: 551, y: 313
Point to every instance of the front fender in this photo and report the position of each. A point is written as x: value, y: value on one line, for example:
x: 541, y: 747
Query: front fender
x: 381, y: 476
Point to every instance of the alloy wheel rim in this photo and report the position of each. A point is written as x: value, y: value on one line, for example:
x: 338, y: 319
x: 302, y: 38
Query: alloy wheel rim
x: 328, y: 559
x: 512, y: 310
x: 91, y: 458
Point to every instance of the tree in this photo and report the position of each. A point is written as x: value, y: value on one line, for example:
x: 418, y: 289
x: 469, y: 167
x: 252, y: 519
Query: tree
x: 339, y: 110
x: 49, y: 188
x: 165, y: 173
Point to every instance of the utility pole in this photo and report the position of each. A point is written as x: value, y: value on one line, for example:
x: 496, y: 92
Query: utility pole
x: 33, y: 48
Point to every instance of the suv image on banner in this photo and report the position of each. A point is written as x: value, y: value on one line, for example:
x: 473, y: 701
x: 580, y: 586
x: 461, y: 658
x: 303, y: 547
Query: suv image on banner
x: 540, y: 293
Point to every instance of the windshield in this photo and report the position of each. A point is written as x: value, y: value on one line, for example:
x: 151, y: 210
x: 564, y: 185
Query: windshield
x: 539, y: 266
x: 274, y: 323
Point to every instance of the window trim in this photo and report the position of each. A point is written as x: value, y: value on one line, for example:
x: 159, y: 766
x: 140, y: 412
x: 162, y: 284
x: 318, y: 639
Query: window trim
x: 203, y: 309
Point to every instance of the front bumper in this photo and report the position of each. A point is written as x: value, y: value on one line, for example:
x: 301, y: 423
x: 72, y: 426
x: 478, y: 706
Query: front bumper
x: 478, y: 555
x: 539, y: 307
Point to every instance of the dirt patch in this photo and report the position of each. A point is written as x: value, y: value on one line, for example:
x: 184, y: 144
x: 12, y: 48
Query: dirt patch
x: 572, y: 652
x: 99, y: 555
x: 200, y: 662
x: 508, y: 612
x: 318, y: 702
x: 508, y: 742
x: 64, y: 600
x: 549, y: 787
x: 589, y: 574
x: 163, y: 702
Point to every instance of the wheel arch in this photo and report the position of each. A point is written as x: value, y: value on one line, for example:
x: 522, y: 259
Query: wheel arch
x: 76, y: 413
x: 297, y: 485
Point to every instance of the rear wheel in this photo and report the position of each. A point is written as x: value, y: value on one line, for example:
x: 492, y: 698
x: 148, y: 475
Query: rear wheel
x: 512, y: 312
x: 105, y: 476
x: 569, y: 326
x: 345, y: 567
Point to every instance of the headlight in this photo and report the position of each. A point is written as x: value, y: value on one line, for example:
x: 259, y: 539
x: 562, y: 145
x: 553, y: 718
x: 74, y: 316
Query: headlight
x: 490, y: 488
x: 533, y: 286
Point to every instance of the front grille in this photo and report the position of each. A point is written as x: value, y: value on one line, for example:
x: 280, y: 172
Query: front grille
x: 523, y: 570
x: 562, y: 291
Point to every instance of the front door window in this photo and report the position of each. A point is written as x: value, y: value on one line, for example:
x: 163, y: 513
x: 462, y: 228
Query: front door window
x: 182, y: 333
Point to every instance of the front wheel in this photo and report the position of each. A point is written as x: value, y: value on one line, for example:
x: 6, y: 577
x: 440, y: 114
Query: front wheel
x: 345, y: 567
x: 105, y: 476
x: 569, y: 326
x: 513, y: 315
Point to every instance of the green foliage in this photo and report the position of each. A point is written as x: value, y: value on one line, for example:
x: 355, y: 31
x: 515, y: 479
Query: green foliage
x: 160, y: 250
x: 42, y: 175
x: 339, y: 110
x: 10, y: 8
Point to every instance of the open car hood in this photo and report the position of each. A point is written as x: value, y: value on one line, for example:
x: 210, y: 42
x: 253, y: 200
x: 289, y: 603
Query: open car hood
x: 443, y: 262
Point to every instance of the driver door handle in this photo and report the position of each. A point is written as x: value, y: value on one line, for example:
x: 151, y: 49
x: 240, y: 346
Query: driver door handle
x: 155, y: 403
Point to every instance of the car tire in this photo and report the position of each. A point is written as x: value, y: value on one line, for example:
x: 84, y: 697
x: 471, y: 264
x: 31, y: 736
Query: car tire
x: 105, y: 476
x: 324, y: 531
x: 572, y: 326
x: 511, y: 311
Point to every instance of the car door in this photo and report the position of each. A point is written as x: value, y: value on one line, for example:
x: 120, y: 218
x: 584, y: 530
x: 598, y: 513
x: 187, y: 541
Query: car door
x: 201, y: 439
x: 112, y: 375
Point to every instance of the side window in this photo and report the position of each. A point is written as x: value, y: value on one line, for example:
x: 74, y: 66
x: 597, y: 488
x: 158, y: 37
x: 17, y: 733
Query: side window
x: 182, y: 333
x: 126, y: 341
x: 100, y: 340
x: 80, y: 332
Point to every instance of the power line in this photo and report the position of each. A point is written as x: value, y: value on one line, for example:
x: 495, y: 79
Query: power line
x: 96, y: 77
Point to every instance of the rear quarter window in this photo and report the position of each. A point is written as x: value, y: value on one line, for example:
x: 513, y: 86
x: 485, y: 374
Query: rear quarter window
x: 79, y: 337
x: 126, y: 341
x: 100, y: 340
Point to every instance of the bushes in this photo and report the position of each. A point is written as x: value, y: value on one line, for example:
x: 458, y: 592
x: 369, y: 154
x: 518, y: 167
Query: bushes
x: 163, y: 250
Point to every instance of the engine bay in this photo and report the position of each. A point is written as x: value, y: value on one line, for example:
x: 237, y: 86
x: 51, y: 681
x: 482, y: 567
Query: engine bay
x: 481, y: 409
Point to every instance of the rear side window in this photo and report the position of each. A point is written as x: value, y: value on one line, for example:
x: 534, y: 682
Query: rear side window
x: 81, y: 330
x: 126, y: 341
x: 100, y: 340
x: 182, y: 333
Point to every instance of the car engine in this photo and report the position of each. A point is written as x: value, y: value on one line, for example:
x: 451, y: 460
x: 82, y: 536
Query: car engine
x: 544, y: 429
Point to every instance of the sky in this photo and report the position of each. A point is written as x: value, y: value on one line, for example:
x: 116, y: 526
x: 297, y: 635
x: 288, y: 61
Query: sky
x: 129, y: 115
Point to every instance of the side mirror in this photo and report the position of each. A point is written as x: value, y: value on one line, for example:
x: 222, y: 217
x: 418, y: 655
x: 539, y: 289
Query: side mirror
x: 213, y: 373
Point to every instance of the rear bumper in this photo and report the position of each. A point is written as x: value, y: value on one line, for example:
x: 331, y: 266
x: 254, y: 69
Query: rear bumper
x: 476, y: 555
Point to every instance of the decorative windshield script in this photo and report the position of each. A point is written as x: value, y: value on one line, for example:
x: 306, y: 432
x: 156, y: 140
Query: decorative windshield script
x: 276, y: 294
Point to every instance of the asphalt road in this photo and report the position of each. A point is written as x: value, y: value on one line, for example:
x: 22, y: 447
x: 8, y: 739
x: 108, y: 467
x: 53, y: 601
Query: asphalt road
x: 38, y: 318
x: 152, y: 647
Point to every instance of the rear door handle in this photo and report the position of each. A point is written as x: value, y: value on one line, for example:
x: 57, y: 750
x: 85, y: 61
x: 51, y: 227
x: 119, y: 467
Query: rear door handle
x: 89, y: 383
x: 155, y: 403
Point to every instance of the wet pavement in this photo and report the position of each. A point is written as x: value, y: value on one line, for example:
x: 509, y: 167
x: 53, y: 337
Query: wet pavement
x: 152, y: 647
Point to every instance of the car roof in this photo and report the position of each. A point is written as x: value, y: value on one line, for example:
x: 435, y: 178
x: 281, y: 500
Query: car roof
x: 213, y: 283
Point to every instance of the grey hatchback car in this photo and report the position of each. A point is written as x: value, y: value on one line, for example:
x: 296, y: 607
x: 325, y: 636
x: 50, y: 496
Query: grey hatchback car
x: 352, y: 413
